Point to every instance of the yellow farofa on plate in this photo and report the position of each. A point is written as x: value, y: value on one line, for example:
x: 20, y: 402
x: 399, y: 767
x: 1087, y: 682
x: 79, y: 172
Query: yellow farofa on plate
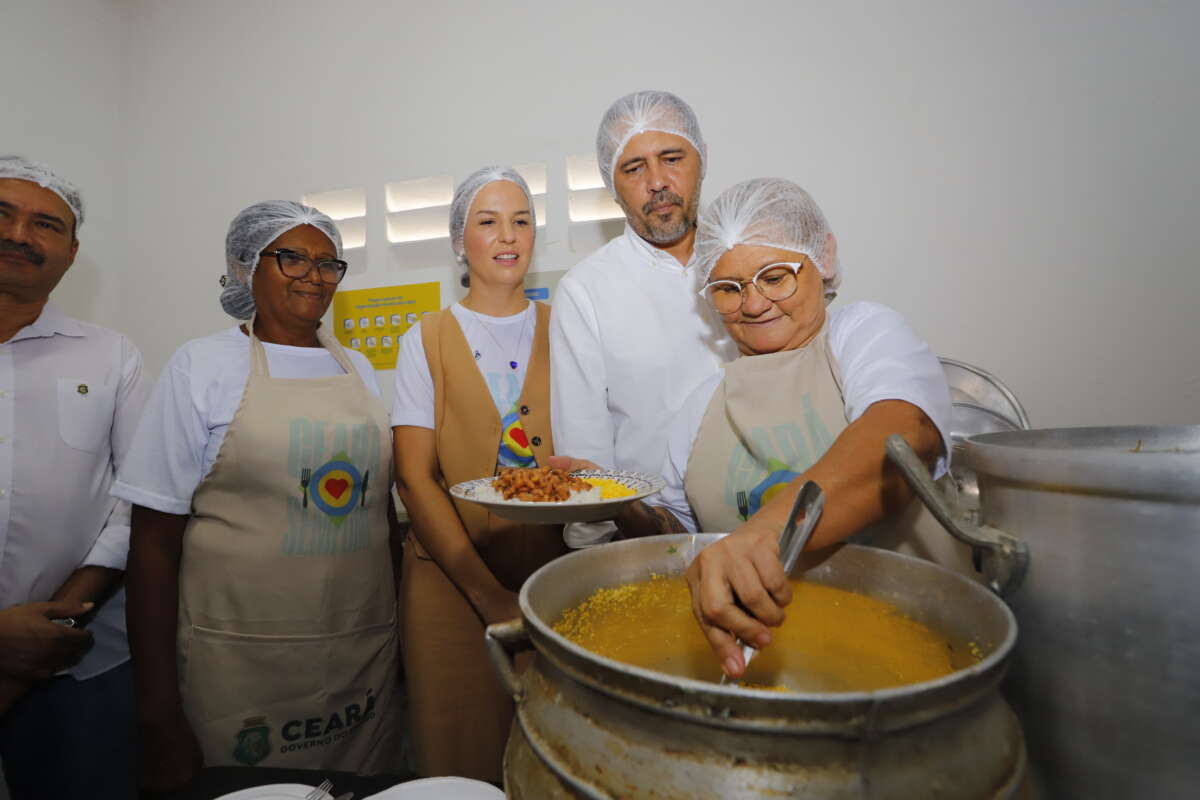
x: 609, y: 488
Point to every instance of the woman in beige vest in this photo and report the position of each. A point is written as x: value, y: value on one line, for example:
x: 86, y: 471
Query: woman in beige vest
x: 262, y: 604
x: 814, y: 396
x: 472, y: 394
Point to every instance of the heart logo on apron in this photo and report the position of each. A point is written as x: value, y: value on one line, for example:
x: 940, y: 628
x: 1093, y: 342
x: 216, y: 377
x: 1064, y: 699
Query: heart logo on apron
x: 335, y: 487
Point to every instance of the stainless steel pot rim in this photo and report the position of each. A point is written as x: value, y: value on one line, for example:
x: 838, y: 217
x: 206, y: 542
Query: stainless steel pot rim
x: 664, y: 681
x: 1154, y: 461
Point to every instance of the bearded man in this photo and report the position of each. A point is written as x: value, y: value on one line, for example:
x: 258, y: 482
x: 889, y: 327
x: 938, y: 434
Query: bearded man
x: 629, y: 336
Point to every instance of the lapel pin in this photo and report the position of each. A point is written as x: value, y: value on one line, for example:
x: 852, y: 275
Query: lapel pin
x: 82, y: 388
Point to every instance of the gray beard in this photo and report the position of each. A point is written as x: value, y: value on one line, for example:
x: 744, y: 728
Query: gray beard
x: 662, y: 233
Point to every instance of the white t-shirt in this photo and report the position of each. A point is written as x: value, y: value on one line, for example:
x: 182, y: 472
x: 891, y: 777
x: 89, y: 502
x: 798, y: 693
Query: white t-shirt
x: 497, y: 343
x: 192, y: 406
x: 879, y: 357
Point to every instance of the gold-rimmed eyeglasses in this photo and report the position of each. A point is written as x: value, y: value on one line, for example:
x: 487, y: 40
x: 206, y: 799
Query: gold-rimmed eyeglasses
x: 775, y: 282
x: 294, y: 265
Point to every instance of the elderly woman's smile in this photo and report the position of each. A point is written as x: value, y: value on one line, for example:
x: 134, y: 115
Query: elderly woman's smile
x: 310, y: 295
x: 760, y: 325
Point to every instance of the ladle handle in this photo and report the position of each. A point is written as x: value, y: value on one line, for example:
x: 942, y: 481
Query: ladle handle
x: 1005, y: 558
x: 496, y: 637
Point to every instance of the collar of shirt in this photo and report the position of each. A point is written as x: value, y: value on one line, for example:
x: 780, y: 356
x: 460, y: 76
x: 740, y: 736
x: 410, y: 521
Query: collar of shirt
x: 50, y: 322
x: 658, y: 258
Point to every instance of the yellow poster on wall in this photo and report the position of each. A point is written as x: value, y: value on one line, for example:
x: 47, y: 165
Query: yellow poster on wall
x: 372, y: 321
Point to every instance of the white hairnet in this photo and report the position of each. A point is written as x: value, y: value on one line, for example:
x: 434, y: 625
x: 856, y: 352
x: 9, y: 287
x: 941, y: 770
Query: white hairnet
x: 765, y: 211
x: 253, y: 229
x: 465, y: 193
x: 36, y: 172
x: 641, y: 112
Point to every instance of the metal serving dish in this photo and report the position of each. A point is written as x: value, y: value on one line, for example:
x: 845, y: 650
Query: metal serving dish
x: 974, y: 386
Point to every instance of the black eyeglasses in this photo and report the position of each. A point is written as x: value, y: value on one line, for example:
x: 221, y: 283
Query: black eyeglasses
x: 294, y: 265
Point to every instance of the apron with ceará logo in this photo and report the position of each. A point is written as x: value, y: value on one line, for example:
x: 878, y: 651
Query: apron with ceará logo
x: 771, y: 418
x: 287, y: 605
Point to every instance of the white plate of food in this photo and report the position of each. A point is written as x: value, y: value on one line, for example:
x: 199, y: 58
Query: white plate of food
x: 443, y: 788
x: 545, y: 496
x: 273, y: 791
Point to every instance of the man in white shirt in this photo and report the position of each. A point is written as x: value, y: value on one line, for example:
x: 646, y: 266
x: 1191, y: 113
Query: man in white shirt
x: 629, y: 336
x: 70, y: 394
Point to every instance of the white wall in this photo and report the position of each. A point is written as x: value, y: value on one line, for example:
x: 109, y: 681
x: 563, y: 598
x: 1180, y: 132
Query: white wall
x: 62, y: 102
x: 1019, y: 179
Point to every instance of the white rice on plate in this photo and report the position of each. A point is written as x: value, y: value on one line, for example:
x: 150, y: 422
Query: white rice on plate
x: 488, y: 494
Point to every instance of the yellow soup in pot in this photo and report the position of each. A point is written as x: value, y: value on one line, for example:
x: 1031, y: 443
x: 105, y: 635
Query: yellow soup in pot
x: 833, y: 640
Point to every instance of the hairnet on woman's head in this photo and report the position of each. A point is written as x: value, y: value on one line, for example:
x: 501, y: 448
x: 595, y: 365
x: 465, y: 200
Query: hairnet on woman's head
x: 36, y: 172
x: 465, y: 193
x: 253, y: 229
x: 771, y: 212
x: 641, y: 112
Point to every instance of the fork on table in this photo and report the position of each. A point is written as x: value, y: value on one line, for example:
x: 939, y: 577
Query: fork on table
x: 305, y: 477
x: 743, y: 504
x: 322, y: 791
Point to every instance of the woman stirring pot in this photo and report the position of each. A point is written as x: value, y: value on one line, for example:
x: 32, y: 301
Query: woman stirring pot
x: 262, y: 613
x: 472, y: 395
x: 814, y: 396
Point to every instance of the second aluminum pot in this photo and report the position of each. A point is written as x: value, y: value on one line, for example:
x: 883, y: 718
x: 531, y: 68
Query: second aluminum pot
x: 1106, y: 678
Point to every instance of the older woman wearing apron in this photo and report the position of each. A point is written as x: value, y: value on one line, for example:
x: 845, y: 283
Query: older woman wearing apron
x: 262, y: 609
x: 814, y: 396
x: 472, y: 394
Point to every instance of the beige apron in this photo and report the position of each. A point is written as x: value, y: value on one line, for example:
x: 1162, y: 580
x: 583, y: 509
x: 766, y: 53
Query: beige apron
x: 459, y: 712
x: 287, y: 607
x: 770, y: 419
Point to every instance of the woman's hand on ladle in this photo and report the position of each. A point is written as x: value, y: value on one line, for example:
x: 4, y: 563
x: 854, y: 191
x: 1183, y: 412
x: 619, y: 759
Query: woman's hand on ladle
x: 739, y: 588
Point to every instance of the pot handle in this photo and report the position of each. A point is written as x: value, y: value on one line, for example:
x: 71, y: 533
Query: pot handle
x: 1003, y: 558
x: 496, y: 637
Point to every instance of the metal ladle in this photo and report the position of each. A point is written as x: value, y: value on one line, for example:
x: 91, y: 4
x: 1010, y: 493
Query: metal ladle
x: 792, y: 540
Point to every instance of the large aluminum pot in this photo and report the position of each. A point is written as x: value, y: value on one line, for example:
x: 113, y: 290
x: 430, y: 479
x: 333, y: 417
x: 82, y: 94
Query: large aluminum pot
x: 587, y: 726
x: 1106, y: 679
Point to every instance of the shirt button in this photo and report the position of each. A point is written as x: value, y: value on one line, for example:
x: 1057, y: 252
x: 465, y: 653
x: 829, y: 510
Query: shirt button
x: 536, y: 441
x: 524, y: 409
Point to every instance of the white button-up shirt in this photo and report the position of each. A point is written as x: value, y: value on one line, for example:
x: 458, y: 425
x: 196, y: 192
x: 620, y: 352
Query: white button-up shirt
x: 630, y: 338
x: 70, y: 396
